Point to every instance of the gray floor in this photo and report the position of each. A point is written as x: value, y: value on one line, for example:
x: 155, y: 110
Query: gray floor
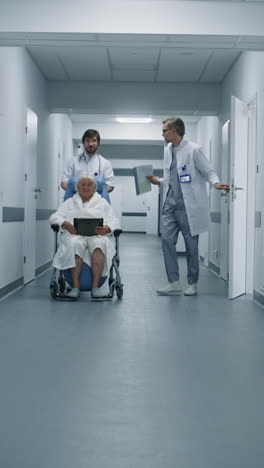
x: 146, y: 382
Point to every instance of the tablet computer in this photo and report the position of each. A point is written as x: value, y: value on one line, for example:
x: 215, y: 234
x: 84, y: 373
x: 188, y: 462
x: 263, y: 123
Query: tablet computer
x: 86, y: 226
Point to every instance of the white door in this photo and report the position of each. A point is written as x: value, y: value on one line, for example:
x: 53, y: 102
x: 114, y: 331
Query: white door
x: 61, y: 154
x: 251, y: 195
x: 133, y: 206
x: 238, y: 198
x: 208, y: 254
x: 116, y: 200
x: 225, y: 154
x: 152, y: 204
x: 31, y: 191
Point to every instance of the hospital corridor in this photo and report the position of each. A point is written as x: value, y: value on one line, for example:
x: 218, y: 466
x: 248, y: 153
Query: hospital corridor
x: 143, y: 119
x: 147, y: 381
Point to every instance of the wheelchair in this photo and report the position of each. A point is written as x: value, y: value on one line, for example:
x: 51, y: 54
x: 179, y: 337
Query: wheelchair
x: 61, y: 280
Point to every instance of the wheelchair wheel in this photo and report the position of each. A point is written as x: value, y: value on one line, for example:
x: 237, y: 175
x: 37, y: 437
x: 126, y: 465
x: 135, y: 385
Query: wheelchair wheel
x: 119, y: 291
x: 54, y: 290
x: 62, y: 284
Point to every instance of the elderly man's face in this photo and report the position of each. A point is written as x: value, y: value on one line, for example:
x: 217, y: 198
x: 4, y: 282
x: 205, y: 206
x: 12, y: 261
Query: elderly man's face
x: 91, y: 145
x: 86, y: 188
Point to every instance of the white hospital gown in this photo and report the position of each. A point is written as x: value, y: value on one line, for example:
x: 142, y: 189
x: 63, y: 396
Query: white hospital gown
x: 72, y: 208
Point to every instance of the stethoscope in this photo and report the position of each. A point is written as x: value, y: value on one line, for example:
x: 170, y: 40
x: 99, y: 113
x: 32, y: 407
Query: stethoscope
x: 83, y: 156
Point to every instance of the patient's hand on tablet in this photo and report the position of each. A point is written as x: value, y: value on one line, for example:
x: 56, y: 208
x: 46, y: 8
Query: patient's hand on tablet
x: 69, y: 227
x: 102, y: 230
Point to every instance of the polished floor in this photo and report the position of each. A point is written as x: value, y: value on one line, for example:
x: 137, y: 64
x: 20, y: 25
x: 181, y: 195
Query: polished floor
x: 145, y: 382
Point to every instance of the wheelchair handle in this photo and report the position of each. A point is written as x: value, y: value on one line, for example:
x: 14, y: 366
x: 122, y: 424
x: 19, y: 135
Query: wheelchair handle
x: 55, y: 227
x: 117, y: 232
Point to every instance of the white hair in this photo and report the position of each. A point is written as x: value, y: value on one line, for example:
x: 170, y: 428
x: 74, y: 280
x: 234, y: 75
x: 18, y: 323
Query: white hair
x: 86, y: 175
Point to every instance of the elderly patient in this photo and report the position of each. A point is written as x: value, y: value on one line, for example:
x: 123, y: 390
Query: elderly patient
x: 96, y: 251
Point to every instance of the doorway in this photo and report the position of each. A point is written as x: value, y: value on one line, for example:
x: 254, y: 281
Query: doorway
x: 31, y: 191
x: 242, y: 197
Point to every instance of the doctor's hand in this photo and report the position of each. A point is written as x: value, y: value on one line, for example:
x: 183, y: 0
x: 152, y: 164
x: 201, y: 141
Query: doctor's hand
x: 154, y: 180
x: 102, y: 230
x: 225, y: 187
x: 69, y: 227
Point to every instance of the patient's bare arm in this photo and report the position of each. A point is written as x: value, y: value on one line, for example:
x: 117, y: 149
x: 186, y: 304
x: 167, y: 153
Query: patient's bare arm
x: 63, y: 185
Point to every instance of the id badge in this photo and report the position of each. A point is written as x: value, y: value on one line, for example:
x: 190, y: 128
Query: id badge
x: 185, y: 178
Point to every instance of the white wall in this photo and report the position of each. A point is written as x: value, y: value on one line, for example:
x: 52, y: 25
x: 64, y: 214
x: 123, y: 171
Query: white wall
x: 151, y: 132
x: 134, y: 16
x: 140, y: 98
x: 22, y: 86
x: 244, y: 81
x: 54, y: 128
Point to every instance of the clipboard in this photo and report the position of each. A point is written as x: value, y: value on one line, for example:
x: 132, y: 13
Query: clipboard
x: 86, y: 226
x: 143, y: 185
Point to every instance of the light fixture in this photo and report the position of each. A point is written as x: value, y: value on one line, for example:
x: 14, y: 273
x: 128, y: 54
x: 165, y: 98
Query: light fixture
x: 134, y: 119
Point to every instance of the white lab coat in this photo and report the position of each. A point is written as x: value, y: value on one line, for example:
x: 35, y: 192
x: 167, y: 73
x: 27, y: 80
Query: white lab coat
x: 72, y: 208
x: 95, y: 164
x: 191, y: 160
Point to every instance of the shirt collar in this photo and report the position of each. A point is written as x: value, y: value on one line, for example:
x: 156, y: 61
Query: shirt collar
x: 175, y: 149
x: 86, y: 156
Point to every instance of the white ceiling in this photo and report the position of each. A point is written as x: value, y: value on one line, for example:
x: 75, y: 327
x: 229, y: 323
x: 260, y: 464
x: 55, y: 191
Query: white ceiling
x: 139, y: 58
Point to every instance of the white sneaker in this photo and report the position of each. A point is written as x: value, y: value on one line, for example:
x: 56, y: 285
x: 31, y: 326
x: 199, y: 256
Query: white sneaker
x: 74, y: 293
x: 171, y: 288
x: 191, y: 290
x: 97, y: 294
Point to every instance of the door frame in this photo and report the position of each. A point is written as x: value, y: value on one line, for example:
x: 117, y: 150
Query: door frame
x: 225, y: 176
x: 30, y: 195
x: 251, y: 192
x: 238, y: 197
x: 250, y: 188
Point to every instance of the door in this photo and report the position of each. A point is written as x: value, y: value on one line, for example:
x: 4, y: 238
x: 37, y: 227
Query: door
x: 225, y: 154
x: 61, y: 192
x: 116, y: 200
x: 152, y: 203
x: 251, y: 195
x: 31, y: 192
x: 238, y: 198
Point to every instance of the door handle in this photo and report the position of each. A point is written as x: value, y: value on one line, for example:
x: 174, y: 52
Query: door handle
x: 36, y: 189
x: 233, y: 191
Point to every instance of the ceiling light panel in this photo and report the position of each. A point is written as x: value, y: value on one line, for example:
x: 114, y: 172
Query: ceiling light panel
x: 219, y: 64
x: 133, y: 75
x: 134, y: 57
x: 177, y: 67
x: 85, y: 63
x: 48, y: 62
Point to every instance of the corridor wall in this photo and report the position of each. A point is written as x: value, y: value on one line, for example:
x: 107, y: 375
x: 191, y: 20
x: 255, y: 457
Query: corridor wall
x: 245, y: 81
x: 23, y: 86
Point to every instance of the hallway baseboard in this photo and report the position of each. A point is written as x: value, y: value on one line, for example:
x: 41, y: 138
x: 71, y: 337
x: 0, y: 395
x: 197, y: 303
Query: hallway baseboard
x: 11, y: 287
x: 43, y: 268
x: 259, y: 298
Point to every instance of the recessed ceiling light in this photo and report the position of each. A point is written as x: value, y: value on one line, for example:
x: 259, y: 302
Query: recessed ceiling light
x: 134, y: 119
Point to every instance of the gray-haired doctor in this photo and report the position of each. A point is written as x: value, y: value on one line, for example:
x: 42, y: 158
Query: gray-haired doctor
x: 185, y: 203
